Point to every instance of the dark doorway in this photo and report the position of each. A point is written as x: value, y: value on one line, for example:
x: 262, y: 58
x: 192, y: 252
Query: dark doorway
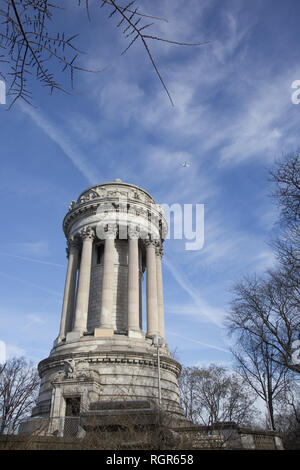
x: 72, y: 416
x: 73, y: 406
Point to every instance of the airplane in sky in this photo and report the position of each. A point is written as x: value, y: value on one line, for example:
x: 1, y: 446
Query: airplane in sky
x: 185, y: 164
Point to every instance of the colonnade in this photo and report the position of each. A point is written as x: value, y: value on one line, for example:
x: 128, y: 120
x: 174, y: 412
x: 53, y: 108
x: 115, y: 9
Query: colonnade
x: 76, y: 294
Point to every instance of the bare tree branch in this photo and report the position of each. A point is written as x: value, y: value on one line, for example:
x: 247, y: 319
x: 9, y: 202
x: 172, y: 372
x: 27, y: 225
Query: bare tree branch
x: 212, y: 394
x: 28, y: 46
x: 19, y: 384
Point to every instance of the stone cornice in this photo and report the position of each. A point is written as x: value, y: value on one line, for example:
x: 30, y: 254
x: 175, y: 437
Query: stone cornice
x: 114, y: 357
x: 90, y: 208
x: 81, y: 211
x: 117, y: 184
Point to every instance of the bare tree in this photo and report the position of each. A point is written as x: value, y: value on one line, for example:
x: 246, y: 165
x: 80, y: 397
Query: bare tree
x: 286, y: 178
x: 30, y: 48
x: 188, y: 392
x: 288, y: 416
x: 268, y: 379
x: 212, y: 394
x: 266, y: 311
x: 19, y: 384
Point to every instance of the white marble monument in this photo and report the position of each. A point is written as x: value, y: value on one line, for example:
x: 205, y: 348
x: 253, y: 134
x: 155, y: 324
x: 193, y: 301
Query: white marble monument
x: 104, y: 352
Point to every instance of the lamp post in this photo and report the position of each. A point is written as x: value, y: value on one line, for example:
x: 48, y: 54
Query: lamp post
x: 158, y: 342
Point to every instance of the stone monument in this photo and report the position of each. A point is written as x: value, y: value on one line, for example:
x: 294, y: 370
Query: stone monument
x: 104, y: 354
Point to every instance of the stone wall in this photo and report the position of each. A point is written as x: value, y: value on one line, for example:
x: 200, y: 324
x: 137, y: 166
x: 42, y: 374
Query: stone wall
x: 230, y: 436
x: 150, y: 435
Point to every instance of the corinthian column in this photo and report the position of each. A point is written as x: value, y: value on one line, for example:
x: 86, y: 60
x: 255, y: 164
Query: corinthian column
x: 133, y: 281
x: 70, y: 286
x: 151, y: 289
x: 160, y: 298
x: 107, y: 283
x: 87, y: 234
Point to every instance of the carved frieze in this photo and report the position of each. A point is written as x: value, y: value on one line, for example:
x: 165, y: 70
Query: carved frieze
x: 113, y: 191
x: 75, y: 369
x: 102, y: 200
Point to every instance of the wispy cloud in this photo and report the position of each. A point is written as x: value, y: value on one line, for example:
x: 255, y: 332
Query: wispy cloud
x: 205, y: 311
x: 39, y: 248
x: 228, y: 365
x: 34, y: 319
x: 204, y: 90
x: 13, y: 350
x: 265, y: 260
x: 63, y: 141
x: 32, y: 260
x: 87, y: 130
x: 35, y: 286
x: 259, y: 129
x: 201, y: 343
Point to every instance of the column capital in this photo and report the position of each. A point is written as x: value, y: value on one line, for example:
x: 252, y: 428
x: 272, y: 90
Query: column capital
x: 111, y: 231
x: 159, y: 250
x: 87, y: 233
x: 73, y: 244
x: 151, y: 242
x: 133, y: 232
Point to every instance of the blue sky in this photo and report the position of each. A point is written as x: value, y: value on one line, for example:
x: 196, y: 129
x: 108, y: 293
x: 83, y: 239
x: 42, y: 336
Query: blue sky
x: 233, y: 116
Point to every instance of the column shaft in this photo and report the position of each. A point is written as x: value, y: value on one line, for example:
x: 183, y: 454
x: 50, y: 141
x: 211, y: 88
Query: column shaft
x: 133, y: 284
x: 107, y: 284
x: 69, y: 293
x: 151, y: 290
x: 83, y: 291
x: 141, y: 299
x: 160, y: 298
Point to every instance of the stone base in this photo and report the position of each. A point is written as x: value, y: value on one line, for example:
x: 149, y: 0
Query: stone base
x: 136, y: 334
x: 73, y: 336
x: 124, y: 374
x: 36, y: 425
x: 123, y: 414
x: 103, y: 332
x: 138, y: 425
x: 56, y: 341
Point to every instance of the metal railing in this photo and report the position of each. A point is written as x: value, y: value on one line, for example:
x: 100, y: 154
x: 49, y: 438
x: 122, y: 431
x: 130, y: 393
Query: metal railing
x: 67, y: 426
